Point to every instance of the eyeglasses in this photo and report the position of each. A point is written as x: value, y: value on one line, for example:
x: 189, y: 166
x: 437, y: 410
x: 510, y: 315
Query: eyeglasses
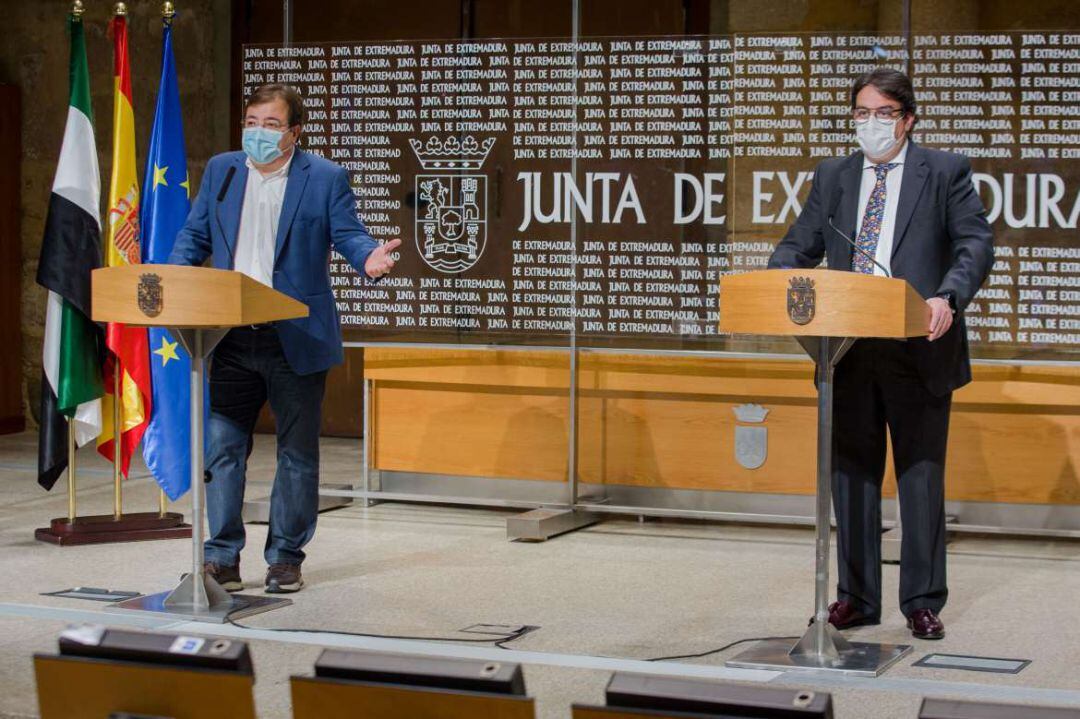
x: 268, y: 124
x: 862, y: 114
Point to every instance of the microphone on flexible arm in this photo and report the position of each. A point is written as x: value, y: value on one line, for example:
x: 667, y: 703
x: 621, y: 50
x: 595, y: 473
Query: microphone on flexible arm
x: 221, y: 198
x: 854, y: 245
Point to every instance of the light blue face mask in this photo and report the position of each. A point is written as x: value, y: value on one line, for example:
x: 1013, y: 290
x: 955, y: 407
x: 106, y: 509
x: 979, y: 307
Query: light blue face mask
x: 261, y: 144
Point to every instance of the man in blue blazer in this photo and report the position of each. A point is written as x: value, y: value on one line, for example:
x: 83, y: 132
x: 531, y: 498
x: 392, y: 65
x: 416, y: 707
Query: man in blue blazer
x: 274, y: 213
x: 912, y: 213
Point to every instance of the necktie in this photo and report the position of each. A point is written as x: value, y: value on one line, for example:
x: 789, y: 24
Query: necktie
x: 871, y: 224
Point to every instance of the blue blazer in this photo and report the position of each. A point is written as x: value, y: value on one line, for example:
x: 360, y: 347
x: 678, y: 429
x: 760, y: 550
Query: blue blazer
x: 318, y: 214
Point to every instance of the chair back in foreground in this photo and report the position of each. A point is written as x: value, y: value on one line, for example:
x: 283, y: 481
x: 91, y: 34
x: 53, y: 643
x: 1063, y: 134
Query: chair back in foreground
x: 72, y: 687
x: 322, y: 698
x: 360, y: 684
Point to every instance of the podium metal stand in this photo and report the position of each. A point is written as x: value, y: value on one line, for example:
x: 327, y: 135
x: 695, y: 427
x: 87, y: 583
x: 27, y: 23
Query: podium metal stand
x: 826, y: 311
x: 199, y: 305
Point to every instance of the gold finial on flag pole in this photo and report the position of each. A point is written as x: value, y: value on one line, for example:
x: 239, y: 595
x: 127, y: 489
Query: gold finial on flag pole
x: 168, y: 12
x: 77, y: 9
x: 120, y: 9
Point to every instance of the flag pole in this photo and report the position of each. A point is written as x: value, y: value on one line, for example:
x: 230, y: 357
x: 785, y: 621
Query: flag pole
x: 76, y: 11
x: 71, y: 468
x: 120, y: 9
x: 118, y: 492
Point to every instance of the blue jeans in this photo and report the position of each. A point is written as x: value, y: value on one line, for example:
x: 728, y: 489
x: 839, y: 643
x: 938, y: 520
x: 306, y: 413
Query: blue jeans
x: 247, y: 369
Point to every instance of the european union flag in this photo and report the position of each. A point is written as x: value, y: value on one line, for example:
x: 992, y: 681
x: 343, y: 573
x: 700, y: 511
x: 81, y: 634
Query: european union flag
x: 166, y: 201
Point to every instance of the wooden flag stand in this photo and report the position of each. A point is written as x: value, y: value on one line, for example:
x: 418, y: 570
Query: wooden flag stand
x: 116, y: 527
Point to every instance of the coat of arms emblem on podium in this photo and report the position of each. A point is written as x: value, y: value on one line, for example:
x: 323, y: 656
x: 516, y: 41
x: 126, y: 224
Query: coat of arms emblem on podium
x: 451, y: 207
x: 801, y: 300
x: 149, y: 292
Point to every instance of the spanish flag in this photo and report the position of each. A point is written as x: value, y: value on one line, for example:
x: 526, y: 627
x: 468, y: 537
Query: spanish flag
x: 129, y: 351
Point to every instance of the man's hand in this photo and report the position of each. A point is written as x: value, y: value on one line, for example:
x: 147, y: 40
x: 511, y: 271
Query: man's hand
x: 941, y: 317
x: 379, y: 262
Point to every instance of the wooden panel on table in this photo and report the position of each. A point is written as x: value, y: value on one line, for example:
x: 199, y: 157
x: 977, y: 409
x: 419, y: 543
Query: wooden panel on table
x: 496, y: 368
x: 11, y: 264
x: 316, y: 698
x: 848, y: 304
x: 471, y: 430
x: 668, y: 421
x: 80, y: 687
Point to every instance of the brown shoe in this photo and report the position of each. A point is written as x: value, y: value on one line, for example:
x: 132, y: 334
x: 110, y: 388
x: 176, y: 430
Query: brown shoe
x: 924, y: 624
x: 283, y: 579
x: 227, y: 577
x: 843, y: 615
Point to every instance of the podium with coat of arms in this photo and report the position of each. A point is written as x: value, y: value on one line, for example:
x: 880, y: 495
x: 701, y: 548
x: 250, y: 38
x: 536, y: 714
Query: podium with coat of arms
x: 199, y: 305
x: 826, y: 311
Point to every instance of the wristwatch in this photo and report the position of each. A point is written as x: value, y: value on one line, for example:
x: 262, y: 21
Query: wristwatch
x: 949, y: 296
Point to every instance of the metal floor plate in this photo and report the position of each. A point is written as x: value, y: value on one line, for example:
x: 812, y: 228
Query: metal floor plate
x: 242, y: 605
x: 864, y: 660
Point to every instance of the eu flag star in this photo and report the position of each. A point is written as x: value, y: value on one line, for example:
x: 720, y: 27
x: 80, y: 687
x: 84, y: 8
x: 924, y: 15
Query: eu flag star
x: 167, y: 351
x: 159, y: 176
x: 186, y: 184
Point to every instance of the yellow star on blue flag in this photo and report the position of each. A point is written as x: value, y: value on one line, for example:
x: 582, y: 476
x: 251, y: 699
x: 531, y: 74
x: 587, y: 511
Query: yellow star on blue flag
x: 167, y: 350
x: 159, y: 176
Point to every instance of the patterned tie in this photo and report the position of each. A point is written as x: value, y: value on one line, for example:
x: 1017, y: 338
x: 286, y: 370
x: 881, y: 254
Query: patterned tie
x: 871, y: 224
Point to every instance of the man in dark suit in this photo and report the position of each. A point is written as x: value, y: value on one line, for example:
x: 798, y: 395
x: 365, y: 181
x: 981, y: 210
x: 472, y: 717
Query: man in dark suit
x: 914, y: 214
x: 273, y: 212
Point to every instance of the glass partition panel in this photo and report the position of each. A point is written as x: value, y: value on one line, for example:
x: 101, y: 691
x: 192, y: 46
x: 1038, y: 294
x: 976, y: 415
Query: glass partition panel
x: 585, y: 193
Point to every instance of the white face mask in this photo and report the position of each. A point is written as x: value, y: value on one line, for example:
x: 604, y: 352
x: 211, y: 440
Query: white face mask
x: 876, y: 137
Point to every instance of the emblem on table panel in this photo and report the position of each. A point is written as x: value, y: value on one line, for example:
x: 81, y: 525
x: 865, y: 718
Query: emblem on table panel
x: 151, y: 298
x: 801, y: 300
x: 751, y: 443
x: 451, y: 206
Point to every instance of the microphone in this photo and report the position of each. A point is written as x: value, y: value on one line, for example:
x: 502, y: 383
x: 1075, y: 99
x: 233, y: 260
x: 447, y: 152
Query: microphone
x: 856, y: 247
x: 221, y: 198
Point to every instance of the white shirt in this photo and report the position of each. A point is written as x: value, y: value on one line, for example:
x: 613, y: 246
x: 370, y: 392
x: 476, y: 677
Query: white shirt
x: 892, y: 199
x: 257, y: 235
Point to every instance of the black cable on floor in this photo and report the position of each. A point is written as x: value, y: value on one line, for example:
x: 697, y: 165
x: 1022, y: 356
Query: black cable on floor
x: 717, y: 651
x: 527, y: 629
x: 497, y: 640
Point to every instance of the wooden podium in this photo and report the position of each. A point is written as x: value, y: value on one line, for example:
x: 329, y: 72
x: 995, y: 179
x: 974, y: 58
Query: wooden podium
x: 826, y: 311
x: 198, y: 305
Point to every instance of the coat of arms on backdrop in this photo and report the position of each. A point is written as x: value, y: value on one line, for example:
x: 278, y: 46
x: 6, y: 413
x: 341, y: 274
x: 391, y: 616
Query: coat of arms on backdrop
x: 751, y: 443
x: 451, y: 207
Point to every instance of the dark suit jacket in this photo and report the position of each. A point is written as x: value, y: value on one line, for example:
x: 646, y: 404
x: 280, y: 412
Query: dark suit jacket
x: 941, y: 242
x: 318, y: 213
